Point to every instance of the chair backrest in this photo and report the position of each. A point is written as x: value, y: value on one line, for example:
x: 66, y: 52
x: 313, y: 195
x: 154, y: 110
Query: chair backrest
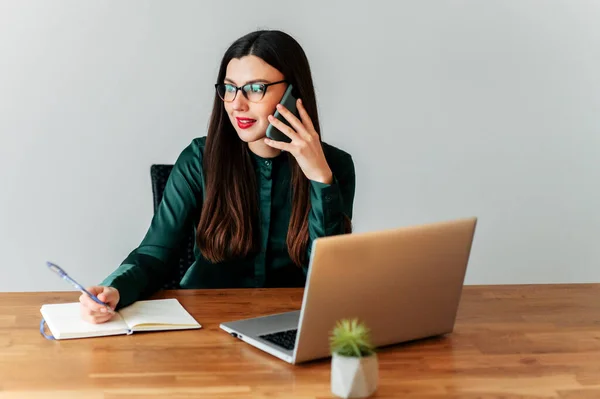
x: 185, y: 254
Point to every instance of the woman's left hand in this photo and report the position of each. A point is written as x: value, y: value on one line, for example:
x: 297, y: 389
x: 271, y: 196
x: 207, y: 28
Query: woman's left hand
x: 305, y: 145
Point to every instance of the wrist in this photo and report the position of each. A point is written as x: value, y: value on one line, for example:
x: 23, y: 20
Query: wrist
x: 325, y: 178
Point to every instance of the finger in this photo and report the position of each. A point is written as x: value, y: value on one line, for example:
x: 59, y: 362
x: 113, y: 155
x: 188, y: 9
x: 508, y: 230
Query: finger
x: 97, y: 319
x: 306, y: 121
x: 283, y: 128
x: 291, y: 118
x: 104, y: 297
x: 111, y: 296
x: 108, y: 298
x: 102, y: 318
x: 88, y: 313
x: 103, y: 311
x: 91, y: 305
x: 107, y: 295
x: 94, y: 317
x: 94, y: 290
x: 280, y: 145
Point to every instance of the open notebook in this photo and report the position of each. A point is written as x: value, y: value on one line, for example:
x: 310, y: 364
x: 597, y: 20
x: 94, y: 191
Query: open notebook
x: 65, y: 322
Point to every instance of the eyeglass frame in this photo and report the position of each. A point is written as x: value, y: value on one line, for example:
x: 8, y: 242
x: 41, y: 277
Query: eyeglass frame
x: 240, y: 88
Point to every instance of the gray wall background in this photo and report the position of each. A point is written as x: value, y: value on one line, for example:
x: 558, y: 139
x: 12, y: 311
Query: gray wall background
x: 450, y: 108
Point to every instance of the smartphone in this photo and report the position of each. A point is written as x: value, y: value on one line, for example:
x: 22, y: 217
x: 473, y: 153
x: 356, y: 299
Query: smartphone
x: 289, y: 101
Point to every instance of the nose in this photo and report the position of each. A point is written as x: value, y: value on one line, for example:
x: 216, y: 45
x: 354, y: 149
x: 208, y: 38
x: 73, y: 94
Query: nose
x: 239, y: 103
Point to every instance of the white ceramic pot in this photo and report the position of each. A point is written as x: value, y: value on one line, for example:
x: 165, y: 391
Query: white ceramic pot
x: 354, y: 377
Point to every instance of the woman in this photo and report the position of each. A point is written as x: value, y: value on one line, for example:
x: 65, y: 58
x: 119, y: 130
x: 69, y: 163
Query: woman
x: 256, y: 205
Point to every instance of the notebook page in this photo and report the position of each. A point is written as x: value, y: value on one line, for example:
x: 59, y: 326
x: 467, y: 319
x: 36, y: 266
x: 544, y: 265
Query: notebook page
x: 158, y: 314
x: 64, y: 321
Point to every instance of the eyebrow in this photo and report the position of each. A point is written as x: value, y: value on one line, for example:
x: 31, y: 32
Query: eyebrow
x: 249, y: 82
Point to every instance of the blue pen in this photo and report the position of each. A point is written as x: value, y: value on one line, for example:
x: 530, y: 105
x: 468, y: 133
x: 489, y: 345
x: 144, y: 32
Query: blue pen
x: 57, y: 269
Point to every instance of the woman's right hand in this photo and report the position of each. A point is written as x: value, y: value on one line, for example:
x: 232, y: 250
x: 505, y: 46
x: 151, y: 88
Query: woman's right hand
x: 95, y: 313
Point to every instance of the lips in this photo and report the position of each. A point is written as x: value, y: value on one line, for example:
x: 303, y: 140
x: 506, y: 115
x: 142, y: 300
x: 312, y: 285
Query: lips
x: 245, y: 123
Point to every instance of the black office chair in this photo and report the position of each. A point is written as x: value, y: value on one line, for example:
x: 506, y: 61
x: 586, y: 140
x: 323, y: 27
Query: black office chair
x: 185, y: 254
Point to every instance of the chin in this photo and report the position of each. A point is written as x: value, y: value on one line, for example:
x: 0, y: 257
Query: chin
x: 250, y: 136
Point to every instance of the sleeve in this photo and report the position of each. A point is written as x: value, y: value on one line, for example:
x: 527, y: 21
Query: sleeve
x: 145, y: 269
x: 330, y: 202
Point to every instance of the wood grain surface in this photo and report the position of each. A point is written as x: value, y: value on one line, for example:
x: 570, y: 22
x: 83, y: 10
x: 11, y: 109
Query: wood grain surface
x: 522, y: 341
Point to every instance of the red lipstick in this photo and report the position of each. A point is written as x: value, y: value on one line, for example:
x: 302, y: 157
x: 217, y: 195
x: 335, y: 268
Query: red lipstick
x: 245, y: 123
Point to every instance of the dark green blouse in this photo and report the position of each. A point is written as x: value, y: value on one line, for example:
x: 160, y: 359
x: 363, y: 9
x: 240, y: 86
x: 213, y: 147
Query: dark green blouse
x: 144, y: 271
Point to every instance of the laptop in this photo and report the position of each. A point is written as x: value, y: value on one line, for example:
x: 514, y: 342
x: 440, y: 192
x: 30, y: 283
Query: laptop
x: 404, y: 283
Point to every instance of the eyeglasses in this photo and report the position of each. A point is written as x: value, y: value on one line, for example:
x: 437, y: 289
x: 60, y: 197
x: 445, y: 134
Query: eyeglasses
x: 254, y: 92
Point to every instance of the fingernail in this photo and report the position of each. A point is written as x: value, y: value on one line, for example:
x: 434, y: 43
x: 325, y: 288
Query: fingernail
x: 300, y: 100
x: 278, y: 106
x: 103, y: 310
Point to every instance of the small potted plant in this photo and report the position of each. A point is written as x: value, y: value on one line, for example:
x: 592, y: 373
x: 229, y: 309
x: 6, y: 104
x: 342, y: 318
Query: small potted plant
x: 354, y: 365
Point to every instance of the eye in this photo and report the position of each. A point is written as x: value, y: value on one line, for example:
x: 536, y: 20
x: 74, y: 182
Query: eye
x: 229, y: 88
x: 256, y: 88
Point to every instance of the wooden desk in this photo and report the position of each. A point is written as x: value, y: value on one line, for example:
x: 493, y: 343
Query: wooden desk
x: 509, y: 342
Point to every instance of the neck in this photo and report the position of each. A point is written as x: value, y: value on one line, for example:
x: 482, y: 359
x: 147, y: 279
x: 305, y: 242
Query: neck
x: 259, y: 148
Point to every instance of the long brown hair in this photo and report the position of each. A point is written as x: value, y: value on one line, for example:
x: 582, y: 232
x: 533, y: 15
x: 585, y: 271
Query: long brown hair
x: 228, y: 226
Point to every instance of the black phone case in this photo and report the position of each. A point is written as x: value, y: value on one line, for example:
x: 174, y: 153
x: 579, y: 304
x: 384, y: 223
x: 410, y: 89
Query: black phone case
x: 288, y: 101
